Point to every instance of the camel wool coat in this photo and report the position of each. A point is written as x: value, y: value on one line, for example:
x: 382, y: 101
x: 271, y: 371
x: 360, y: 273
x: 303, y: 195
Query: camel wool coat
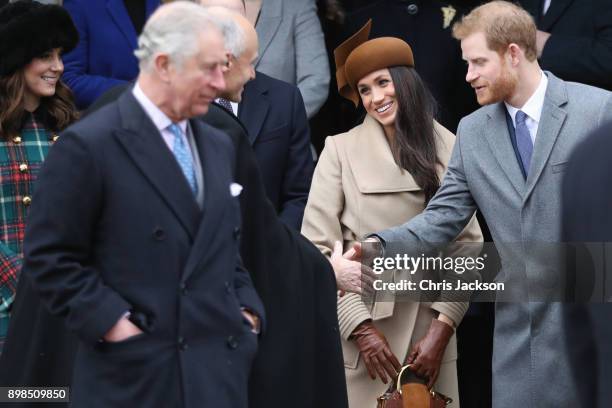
x: 358, y: 189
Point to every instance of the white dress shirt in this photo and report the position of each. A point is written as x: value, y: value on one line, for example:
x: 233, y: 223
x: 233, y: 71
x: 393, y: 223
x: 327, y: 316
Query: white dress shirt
x: 532, y: 108
x: 159, y: 118
x: 161, y: 122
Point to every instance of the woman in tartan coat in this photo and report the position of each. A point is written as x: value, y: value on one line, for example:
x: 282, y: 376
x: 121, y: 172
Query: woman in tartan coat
x: 34, y: 106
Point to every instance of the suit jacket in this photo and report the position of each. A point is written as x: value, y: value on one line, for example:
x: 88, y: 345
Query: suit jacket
x: 348, y: 200
x: 108, y: 236
x: 104, y: 56
x: 273, y: 113
x: 580, y: 46
x: 292, y: 48
x: 524, y: 217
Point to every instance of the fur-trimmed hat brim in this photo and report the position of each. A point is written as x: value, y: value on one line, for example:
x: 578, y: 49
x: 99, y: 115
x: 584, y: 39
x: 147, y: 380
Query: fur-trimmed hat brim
x: 28, y: 29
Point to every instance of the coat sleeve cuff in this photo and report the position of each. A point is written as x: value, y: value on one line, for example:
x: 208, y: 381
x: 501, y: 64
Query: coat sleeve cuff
x: 454, y: 310
x: 250, y: 300
x: 351, y: 312
x: 104, y: 317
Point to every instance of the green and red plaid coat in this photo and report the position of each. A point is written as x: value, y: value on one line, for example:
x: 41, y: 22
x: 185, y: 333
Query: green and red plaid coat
x: 20, y: 161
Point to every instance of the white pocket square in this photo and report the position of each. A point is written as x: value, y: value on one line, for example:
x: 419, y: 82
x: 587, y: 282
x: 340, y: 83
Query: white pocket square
x: 235, y: 189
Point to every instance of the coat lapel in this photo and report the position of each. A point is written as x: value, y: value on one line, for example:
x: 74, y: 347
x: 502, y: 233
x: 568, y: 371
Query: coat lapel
x: 551, y: 121
x: 145, y: 146
x: 118, y: 12
x: 372, y: 163
x: 498, y: 138
x: 214, y: 201
x: 556, y: 10
x: 254, y: 108
x: 268, y: 23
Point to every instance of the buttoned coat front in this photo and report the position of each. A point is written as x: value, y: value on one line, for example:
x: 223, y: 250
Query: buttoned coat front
x: 114, y: 227
x: 358, y: 188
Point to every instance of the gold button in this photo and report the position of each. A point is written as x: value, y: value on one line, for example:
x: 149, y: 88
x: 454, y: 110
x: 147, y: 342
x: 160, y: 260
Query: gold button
x: 17, y: 139
x: 23, y: 167
x: 54, y: 138
x: 27, y: 200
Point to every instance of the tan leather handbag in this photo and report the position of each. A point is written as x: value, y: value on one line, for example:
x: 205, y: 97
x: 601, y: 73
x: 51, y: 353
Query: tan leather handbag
x: 410, y: 391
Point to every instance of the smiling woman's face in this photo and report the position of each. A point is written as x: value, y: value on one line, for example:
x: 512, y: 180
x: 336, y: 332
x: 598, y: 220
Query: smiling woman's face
x: 41, y: 76
x: 378, y: 97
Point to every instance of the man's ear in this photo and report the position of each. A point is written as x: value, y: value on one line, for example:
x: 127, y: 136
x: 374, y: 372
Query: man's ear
x: 515, y: 53
x: 230, y: 61
x: 162, y: 64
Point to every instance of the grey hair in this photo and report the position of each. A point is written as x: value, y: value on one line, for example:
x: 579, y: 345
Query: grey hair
x: 173, y: 30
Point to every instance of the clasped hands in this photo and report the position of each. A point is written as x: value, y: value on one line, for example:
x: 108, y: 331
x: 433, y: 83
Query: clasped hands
x: 425, y: 356
x: 351, y: 274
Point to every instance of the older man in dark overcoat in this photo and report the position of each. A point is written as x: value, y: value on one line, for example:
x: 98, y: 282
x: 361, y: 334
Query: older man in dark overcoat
x: 134, y: 241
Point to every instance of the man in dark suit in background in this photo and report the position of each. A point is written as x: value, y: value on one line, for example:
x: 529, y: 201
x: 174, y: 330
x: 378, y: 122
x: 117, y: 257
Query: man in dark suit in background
x: 575, y: 39
x: 134, y: 243
x: 274, y: 115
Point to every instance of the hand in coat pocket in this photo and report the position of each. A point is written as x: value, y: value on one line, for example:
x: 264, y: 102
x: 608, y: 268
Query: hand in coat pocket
x: 123, y: 330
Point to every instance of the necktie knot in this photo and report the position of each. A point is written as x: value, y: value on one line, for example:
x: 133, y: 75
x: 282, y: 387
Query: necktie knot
x: 521, y: 117
x: 175, y: 129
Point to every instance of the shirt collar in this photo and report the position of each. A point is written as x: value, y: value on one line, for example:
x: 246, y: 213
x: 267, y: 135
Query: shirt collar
x: 159, y: 118
x: 533, y: 106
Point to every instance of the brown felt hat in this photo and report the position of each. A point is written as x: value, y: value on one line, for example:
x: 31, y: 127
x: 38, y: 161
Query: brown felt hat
x: 357, y: 57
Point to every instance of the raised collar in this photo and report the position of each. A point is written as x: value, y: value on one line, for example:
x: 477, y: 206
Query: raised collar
x: 371, y: 161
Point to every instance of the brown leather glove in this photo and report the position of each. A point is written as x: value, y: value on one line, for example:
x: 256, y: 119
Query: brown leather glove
x: 426, y: 355
x: 375, y: 350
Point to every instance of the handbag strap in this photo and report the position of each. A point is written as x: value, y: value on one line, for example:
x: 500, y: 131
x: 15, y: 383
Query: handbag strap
x: 434, y: 394
x: 398, y: 382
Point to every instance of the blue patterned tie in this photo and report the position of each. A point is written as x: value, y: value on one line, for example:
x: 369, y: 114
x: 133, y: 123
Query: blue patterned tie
x: 226, y: 104
x: 183, y: 156
x: 523, y: 140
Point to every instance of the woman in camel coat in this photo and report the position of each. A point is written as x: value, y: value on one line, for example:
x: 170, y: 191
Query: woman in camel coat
x: 359, y: 188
